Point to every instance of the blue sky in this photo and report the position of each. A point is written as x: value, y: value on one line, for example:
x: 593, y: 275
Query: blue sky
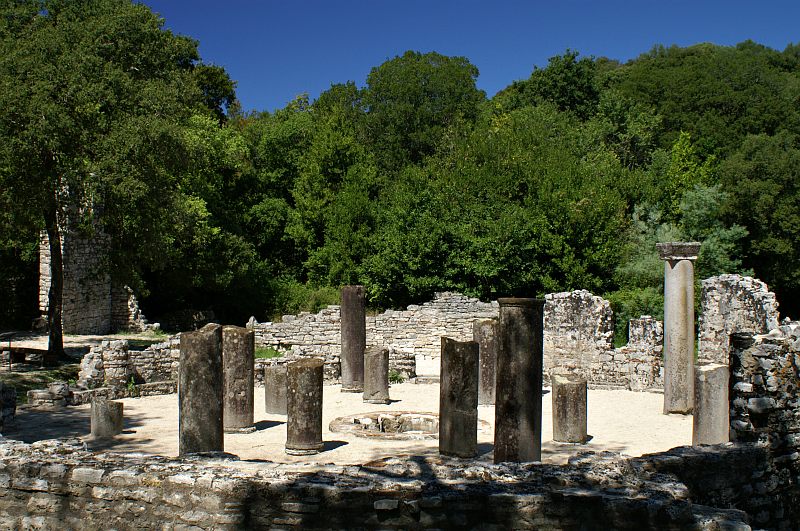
x: 276, y: 50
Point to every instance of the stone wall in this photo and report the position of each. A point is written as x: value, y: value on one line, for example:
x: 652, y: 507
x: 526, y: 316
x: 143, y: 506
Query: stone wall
x: 732, y: 303
x: 92, y: 302
x: 578, y: 337
x: 156, y: 363
x: 765, y: 410
x: 57, y: 485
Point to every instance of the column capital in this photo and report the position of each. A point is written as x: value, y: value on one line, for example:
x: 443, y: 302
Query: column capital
x: 678, y: 250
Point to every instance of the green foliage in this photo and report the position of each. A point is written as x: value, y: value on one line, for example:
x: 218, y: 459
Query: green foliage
x: 267, y: 353
x: 412, y: 100
x: 396, y: 377
x: 293, y: 297
x: 632, y: 303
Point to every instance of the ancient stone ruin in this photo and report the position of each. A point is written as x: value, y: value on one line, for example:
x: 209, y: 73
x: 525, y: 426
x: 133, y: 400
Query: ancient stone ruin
x: 748, y: 482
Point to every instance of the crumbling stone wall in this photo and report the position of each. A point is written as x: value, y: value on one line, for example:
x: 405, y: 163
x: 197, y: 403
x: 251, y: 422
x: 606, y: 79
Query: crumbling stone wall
x: 86, y: 306
x: 765, y: 410
x: 156, y: 363
x: 57, y: 485
x: 733, y: 303
x: 578, y: 337
x: 92, y: 302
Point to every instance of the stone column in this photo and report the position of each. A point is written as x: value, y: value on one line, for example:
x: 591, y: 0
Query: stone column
x: 711, y: 422
x: 518, y: 397
x: 238, y: 369
x: 485, y: 332
x: 679, y: 260
x: 116, y: 363
x: 275, y: 389
x: 376, y: 375
x: 354, y: 338
x: 569, y: 408
x: 200, y: 391
x: 458, y: 398
x: 304, y: 406
x: 106, y: 418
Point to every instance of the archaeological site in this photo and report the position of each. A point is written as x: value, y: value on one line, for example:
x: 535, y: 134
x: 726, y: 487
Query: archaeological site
x: 453, y: 414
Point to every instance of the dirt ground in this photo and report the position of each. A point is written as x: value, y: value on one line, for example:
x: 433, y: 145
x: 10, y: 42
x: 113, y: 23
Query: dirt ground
x: 619, y: 421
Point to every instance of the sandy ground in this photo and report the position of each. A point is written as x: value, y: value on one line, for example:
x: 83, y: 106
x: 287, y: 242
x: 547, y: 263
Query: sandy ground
x: 619, y: 421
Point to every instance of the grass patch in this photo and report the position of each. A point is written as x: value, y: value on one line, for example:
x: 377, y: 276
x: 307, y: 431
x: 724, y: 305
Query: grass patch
x: 396, y: 377
x: 22, y: 382
x: 268, y: 353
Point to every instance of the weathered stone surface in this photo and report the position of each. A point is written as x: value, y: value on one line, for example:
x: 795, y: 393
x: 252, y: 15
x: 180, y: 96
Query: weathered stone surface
x: 485, y: 334
x: 733, y: 303
x: 116, y: 363
x: 106, y: 418
x: 711, y: 422
x: 376, y: 375
x: 569, y: 408
x: 678, y: 324
x: 518, y: 399
x: 304, y: 407
x: 238, y: 365
x: 354, y: 338
x: 458, y: 399
x: 275, y: 389
x: 200, y: 391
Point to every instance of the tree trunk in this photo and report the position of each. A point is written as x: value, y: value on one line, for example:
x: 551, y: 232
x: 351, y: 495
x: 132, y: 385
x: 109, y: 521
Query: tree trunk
x: 55, y: 343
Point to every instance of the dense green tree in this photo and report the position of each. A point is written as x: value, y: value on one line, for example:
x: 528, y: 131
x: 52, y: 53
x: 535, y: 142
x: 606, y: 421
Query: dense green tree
x: 412, y: 99
x: 95, y: 95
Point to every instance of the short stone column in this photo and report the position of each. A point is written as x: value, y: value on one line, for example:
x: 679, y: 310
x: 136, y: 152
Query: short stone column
x: 679, y: 260
x: 711, y: 422
x: 238, y: 368
x: 485, y: 334
x: 376, y: 375
x: 275, y: 389
x: 569, y: 408
x: 116, y: 363
x: 304, y: 406
x: 518, y: 396
x: 200, y: 391
x: 354, y: 338
x: 106, y: 418
x: 458, y: 398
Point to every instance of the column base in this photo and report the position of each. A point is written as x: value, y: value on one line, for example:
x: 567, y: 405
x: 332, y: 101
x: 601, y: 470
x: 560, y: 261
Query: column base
x: 304, y: 451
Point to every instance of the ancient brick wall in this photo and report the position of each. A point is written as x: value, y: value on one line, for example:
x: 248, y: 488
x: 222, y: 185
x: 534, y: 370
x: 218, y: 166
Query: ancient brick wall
x: 57, y: 485
x: 86, y: 307
x: 732, y: 303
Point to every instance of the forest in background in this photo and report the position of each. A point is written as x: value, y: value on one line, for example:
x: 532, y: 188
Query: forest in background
x: 409, y: 182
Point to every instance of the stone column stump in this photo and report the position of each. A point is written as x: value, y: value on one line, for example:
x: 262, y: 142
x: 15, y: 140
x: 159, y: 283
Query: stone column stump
x: 304, y: 406
x: 116, y: 363
x: 569, y: 408
x: 106, y: 418
x: 376, y: 375
x: 711, y: 422
x: 679, y: 260
x: 458, y: 398
x: 485, y: 333
x: 275, y: 389
x: 518, y: 396
x: 354, y: 338
x: 200, y: 391
x: 238, y: 365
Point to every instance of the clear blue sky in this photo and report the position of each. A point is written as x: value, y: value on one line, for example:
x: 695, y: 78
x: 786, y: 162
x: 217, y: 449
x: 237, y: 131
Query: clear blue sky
x: 276, y: 50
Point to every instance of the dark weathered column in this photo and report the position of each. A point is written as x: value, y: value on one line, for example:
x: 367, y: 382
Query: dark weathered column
x: 275, y: 389
x: 679, y: 260
x: 106, y: 418
x: 304, y: 405
x: 238, y: 368
x: 485, y: 333
x: 376, y: 375
x: 200, y: 391
x: 458, y: 398
x: 354, y: 338
x: 569, y: 408
x: 518, y: 396
x: 711, y: 422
